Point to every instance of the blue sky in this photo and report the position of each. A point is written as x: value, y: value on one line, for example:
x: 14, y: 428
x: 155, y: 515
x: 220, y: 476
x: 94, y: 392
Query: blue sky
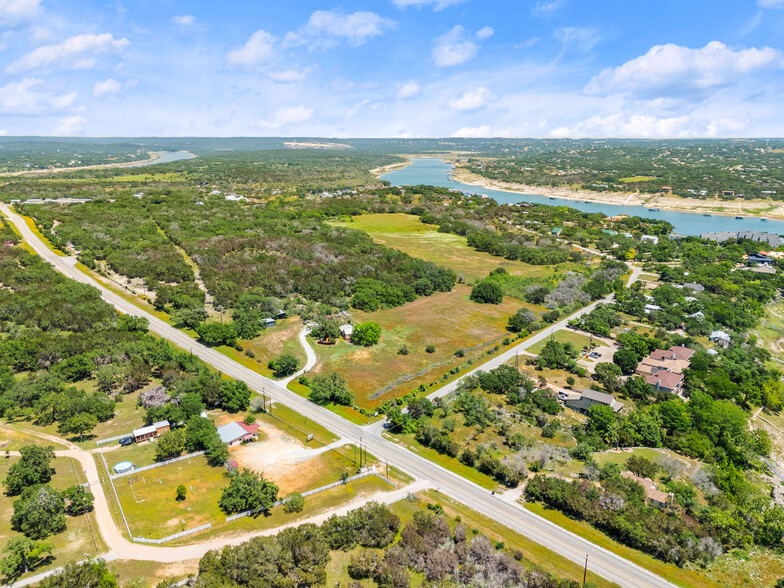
x: 392, y: 68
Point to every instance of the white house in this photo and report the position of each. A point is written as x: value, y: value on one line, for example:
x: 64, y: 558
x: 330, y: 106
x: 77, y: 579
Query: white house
x: 652, y: 238
x: 720, y: 338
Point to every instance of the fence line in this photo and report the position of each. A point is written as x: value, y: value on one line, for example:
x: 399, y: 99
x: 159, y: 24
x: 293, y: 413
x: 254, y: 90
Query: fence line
x: 117, y: 498
x: 370, y: 472
x: 156, y: 465
x: 110, y: 439
x: 172, y: 537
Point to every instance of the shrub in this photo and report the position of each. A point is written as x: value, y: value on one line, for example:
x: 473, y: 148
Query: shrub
x: 182, y: 492
x: 430, y: 349
x: 487, y: 293
x: 295, y: 502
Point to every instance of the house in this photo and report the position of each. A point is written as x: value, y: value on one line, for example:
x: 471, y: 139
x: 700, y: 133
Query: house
x: 651, y: 238
x: 653, y: 496
x: 609, y: 232
x: 268, y: 322
x: 728, y: 193
x: 666, y: 190
x: 139, y: 195
x: 237, y: 432
x: 720, y: 338
x: 697, y: 315
x: 663, y: 368
x: 582, y: 401
x: 280, y: 315
x: 346, y: 331
x: 760, y: 259
x: 151, y: 431
x: 215, y: 193
x: 762, y: 269
x: 697, y: 288
x: 676, y: 352
x: 556, y: 231
x: 234, y: 197
x: 667, y: 381
x: 651, y: 307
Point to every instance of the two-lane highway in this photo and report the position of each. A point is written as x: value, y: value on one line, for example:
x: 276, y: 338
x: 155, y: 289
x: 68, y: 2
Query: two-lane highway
x: 569, y: 545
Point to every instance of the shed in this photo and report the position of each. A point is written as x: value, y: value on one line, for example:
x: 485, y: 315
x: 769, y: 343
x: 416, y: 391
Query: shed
x: 268, y: 322
x: 556, y: 231
x: 346, y: 331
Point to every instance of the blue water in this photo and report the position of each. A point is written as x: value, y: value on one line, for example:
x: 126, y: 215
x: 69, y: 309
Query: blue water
x: 166, y: 157
x: 433, y: 171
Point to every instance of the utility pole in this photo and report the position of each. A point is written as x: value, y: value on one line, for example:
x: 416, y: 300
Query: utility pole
x: 585, y: 571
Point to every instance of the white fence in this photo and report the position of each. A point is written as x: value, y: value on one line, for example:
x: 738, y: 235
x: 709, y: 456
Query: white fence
x: 172, y: 537
x: 100, y: 442
x: 156, y: 465
x: 371, y: 472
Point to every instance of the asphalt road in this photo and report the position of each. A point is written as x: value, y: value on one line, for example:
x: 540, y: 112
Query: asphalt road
x: 571, y: 546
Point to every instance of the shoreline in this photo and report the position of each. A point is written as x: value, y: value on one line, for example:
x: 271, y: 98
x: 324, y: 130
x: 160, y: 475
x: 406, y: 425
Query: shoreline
x: 715, y: 207
x: 154, y: 157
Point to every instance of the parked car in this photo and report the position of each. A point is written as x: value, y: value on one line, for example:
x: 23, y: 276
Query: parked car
x: 126, y: 441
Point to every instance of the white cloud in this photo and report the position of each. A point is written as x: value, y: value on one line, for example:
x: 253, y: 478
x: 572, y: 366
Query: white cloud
x: 185, y: 20
x: 408, y: 90
x: 548, y: 7
x: 485, y: 33
x: 288, y: 115
x: 673, y: 69
x: 437, y: 4
x: 259, y: 50
x: 475, y: 100
x: 528, y: 43
x: 473, y: 132
x: 106, y: 88
x: 24, y: 97
x: 79, y: 52
x: 771, y: 3
x: 577, y: 38
x: 645, y: 125
x: 72, y: 125
x: 13, y: 12
x: 288, y: 76
x: 454, y: 48
x: 326, y: 27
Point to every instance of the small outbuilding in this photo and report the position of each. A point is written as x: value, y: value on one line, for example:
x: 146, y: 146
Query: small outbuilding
x: 346, y: 331
x: 268, y: 322
x: 151, y: 431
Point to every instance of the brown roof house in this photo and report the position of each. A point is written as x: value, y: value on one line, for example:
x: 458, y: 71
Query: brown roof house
x: 653, y: 496
x: 582, y: 401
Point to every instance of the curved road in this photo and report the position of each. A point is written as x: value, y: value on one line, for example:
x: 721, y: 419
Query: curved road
x: 571, y: 546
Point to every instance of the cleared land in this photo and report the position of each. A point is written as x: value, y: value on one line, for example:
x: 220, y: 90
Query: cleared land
x: 578, y: 340
x: 449, y: 321
x: 406, y: 233
x: 256, y: 354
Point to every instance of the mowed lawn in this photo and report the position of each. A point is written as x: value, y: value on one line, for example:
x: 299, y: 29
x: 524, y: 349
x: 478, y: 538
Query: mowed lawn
x: 578, y: 340
x: 407, y: 234
x: 449, y: 321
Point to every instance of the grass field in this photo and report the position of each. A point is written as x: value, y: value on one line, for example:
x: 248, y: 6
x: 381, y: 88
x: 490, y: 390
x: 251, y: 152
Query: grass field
x: 770, y: 330
x: 634, y: 179
x: 77, y: 539
x: 578, y: 340
x: 449, y: 321
x: 406, y: 233
x: 12, y: 439
x: 282, y: 338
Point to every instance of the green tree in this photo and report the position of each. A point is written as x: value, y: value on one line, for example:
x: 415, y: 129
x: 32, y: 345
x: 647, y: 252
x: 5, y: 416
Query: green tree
x: 132, y: 324
x: 486, y: 292
x: 170, y: 444
x: 234, y: 395
x: 39, y: 512
x: 217, y: 452
x: 642, y: 467
x: 33, y: 468
x: 79, y: 425
x: 523, y: 320
x: 327, y: 388
x: 295, y: 502
x: 79, y: 500
x: 93, y: 574
x: 626, y: 359
x: 188, y: 318
x: 192, y: 405
x: 326, y: 330
x: 199, y: 432
x: 285, y: 365
x: 248, y: 490
x: 367, y: 334
x: 214, y: 334
x: 23, y: 555
x: 182, y: 493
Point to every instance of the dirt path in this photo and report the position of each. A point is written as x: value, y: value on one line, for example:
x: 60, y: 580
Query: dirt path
x: 309, y: 353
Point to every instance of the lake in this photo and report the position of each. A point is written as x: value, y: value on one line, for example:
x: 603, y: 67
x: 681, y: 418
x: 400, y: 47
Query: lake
x: 166, y: 157
x: 433, y: 171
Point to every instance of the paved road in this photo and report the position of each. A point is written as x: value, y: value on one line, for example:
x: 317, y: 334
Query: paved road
x: 606, y: 564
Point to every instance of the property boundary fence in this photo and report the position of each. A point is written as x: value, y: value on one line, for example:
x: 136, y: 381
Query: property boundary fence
x: 172, y: 537
x: 100, y: 442
x: 371, y: 472
x: 156, y: 465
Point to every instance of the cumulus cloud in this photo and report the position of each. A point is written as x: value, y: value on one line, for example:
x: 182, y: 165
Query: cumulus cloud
x: 437, y: 4
x: 528, y: 43
x: 326, y: 28
x: 71, y: 125
x: 548, y: 7
x: 288, y: 76
x: 288, y: 115
x: 672, y: 69
x: 771, y: 3
x: 475, y: 100
x: 408, y: 90
x: 645, y: 125
x: 454, y: 48
x: 259, y: 50
x: 485, y: 33
x: 14, y: 12
x: 26, y: 97
x: 106, y: 88
x: 185, y: 20
x: 473, y: 132
x: 79, y: 52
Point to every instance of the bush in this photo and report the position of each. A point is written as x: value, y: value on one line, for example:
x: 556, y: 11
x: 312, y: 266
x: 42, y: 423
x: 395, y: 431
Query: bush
x: 182, y: 492
x: 403, y: 350
x: 430, y: 349
x: 285, y: 365
x: 329, y: 388
x: 295, y: 502
x: 366, y: 334
x: 487, y: 293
